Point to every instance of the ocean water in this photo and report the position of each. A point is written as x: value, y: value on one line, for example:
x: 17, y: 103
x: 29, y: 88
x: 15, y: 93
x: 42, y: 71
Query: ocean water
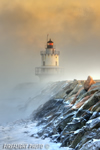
x: 16, y: 105
x: 19, y: 134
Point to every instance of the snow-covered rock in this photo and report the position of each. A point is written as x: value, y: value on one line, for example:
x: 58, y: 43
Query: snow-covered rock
x: 91, y: 145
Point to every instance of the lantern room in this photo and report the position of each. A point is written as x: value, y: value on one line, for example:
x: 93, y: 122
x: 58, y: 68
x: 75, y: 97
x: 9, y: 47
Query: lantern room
x: 50, y: 44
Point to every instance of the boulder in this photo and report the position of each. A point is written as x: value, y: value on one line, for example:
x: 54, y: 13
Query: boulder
x: 88, y: 93
x: 95, y: 115
x: 96, y: 106
x: 68, y: 118
x: 69, y: 99
x: 96, y: 84
x: 88, y: 83
x: 71, y: 127
x: 78, y: 105
x: 94, y: 123
x: 80, y: 92
x: 88, y: 135
x: 84, y: 94
x: 77, y: 139
x: 66, y: 90
x: 67, y: 140
x: 76, y: 89
x: 91, y: 101
x: 78, y: 95
x: 74, y: 100
x: 81, y: 113
x: 55, y: 138
x: 98, y: 109
x: 93, y: 87
x: 92, y: 91
x: 48, y: 109
x: 93, y: 144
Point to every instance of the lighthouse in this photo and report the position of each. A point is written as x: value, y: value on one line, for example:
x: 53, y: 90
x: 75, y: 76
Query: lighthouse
x: 49, y: 70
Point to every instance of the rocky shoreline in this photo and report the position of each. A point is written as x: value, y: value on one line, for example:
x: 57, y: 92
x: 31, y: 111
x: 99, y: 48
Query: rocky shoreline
x: 72, y: 115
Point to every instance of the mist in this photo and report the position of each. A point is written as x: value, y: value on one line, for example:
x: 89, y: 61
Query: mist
x: 74, y: 28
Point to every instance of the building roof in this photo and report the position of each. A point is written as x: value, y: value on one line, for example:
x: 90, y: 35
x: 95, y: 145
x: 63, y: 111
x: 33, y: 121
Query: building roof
x: 50, y: 41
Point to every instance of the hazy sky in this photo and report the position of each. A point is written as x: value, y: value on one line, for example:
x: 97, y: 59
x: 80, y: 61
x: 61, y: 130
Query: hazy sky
x: 73, y: 25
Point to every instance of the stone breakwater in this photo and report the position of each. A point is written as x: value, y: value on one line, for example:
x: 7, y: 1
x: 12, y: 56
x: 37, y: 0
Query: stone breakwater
x: 72, y: 115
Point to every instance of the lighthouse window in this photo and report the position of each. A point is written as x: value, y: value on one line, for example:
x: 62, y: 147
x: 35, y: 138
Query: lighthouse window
x: 43, y: 63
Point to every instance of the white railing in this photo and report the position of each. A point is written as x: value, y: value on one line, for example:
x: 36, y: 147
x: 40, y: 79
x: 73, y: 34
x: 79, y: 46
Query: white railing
x: 47, y: 70
x: 50, y: 52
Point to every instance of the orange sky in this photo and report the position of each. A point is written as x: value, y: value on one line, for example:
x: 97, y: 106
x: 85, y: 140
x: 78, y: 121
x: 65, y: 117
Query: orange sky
x: 73, y: 25
x: 35, y: 18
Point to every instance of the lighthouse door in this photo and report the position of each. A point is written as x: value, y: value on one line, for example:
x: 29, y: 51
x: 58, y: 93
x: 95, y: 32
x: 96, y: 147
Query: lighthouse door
x: 43, y: 63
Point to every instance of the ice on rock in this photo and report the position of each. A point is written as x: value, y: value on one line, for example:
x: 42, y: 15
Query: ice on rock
x: 92, y: 145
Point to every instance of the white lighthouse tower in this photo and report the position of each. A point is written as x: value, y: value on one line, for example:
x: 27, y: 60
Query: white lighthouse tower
x: 49, y: 69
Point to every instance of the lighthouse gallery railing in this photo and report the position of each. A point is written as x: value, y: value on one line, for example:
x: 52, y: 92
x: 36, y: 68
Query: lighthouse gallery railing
x: 47, y: 70
x: 51, y: 53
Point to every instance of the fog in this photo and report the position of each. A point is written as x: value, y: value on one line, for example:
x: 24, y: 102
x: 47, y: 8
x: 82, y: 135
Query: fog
x: 24, y: 25
x: 19, y: 102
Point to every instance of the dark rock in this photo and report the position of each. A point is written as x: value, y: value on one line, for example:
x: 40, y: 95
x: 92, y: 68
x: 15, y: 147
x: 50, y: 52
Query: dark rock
x: 69, y: 99
x: 83, y: 91
x: 88, y: 135
x: 93, y: 144
x: 46, y: 108
x: 69, y: 111
x: 66, y: 90
x: 67, y: 140
x: 87, y: 116
x: 81, y: 113
x: 78, y: 95
x: 74, y: 100
x: 78, y: 105
x: 56, y: 138
x: 77, y: 139
x: 64, y: 122
x: 94, y: 123
x: 91, y: 101
x: 76, y: 89
x: 72, y: 127
x: 96, y: 106
x: 66, y: 108
x: 98, y: 109
x: 94, y: 88
x: 71, y: 124
x: 88, y: 93
x: 71, y: 86
x: 95, y: 115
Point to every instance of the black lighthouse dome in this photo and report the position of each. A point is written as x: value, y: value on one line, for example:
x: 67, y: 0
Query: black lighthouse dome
x: 50, y: 44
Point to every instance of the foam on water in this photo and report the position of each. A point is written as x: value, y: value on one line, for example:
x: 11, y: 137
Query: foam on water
x: 20, y: 133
